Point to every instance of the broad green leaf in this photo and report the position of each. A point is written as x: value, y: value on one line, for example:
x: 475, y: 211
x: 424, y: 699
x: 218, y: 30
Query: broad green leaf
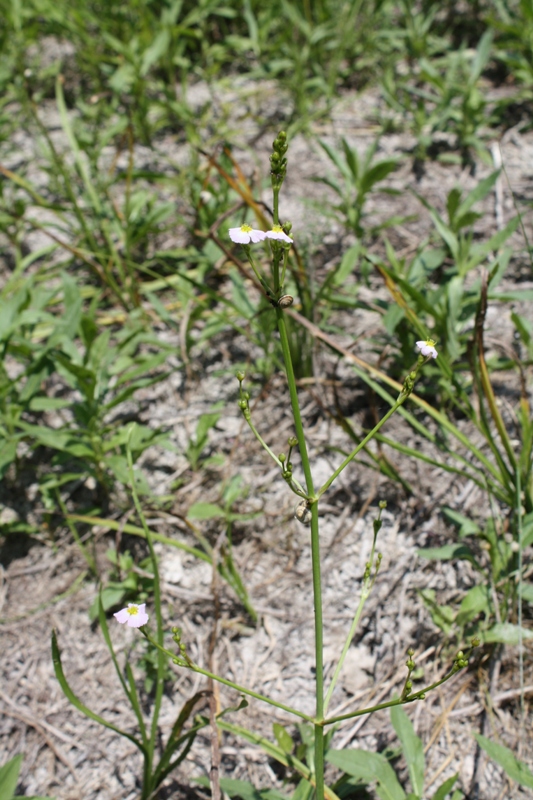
x: 442, y: 616
x: 478, y: 193
x: 9, y: 775
x: 205, y: 422
x: 527, y: 592
x: 304, y: 791
x: 412, y: 748
x: 512, y: 295
x: 377, y: 173
x: 8, y: 452
x: 515, y: 769
x: 122, y: 79
x: 506, y: 633
x: 283, y: 738
x: 205, y: 511
x: 157, y: 49
x: 447, y: 552
x: 347, y: 265
x: 243, y: 789
x: 476, y: 600
x: 369, y: 767
x: 48, y: 403
x: 467, y: 527
x: 445, y: 788
x: 527, y: 530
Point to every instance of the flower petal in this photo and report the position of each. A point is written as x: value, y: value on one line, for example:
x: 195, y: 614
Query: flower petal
x: 239, y: 236
x: 427, y: 348
x: 257, y: 236
x: 137, y: 620
x: 122, y: 616
x: 278, y: 235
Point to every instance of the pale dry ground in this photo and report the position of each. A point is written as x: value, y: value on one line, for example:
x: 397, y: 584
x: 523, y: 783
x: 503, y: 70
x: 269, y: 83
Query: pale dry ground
x: 70, y: 757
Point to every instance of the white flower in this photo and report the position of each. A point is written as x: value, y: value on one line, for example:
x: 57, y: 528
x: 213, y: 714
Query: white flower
x: 134, y: 615
x: 246, y: 234
x: 277, y: 232
x: 427, y: 348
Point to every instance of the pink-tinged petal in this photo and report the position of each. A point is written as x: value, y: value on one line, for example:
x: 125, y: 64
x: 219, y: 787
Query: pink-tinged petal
x: 137, y: 620
x: 257, y: 236
x: 122, y: 616
x: 278, y: 235
x: 239, y: 236
x: 427, y: 349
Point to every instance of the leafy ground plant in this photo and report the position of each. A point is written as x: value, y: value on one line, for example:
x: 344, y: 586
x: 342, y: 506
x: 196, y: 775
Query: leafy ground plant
x: 272, y: 282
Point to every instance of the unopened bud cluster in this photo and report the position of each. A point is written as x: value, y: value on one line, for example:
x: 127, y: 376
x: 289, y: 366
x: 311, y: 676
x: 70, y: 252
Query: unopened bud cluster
x: 182, y: 659
x: 244, y: 397
x: 278, y: 162
x: 460, y: 661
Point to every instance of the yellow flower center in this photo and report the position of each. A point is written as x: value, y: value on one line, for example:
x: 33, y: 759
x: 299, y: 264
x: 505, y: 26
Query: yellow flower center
x: 133, y: 610
x: 277, y: 228
x: 246, y: 228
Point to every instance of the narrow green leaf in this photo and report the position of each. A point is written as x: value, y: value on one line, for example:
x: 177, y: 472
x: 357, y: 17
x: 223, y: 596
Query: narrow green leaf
x: 412, y: 748
x: 515, y: 769
x: 447, y: 552
x: 445, y: 788
x: 9, y: 775
x: 205, y: 511
x: 467, y: 527
x: 69, y: 694
x: 369, y: 767
x: 476, y: 600
x: 283, y: 738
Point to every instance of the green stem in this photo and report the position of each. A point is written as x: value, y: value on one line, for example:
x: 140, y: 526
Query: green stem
x: 284, y: 269
x: 75, y: 535
x: 315, y: 556
x: 398, y: 702
x: 161, y: 660
x: 364, y: 597
x: 520, y: 590
x: 319, y: 761
x: 300, y: 490
x: 293, y: 392
x: 275, y: 203
x: 182, y: 662
x: 361, y: 444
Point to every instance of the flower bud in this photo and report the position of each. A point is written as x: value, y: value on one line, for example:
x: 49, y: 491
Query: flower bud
x: 240, y: 376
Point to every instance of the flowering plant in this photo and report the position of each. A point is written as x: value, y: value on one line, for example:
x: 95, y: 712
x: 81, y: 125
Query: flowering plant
x: 272, y: 281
